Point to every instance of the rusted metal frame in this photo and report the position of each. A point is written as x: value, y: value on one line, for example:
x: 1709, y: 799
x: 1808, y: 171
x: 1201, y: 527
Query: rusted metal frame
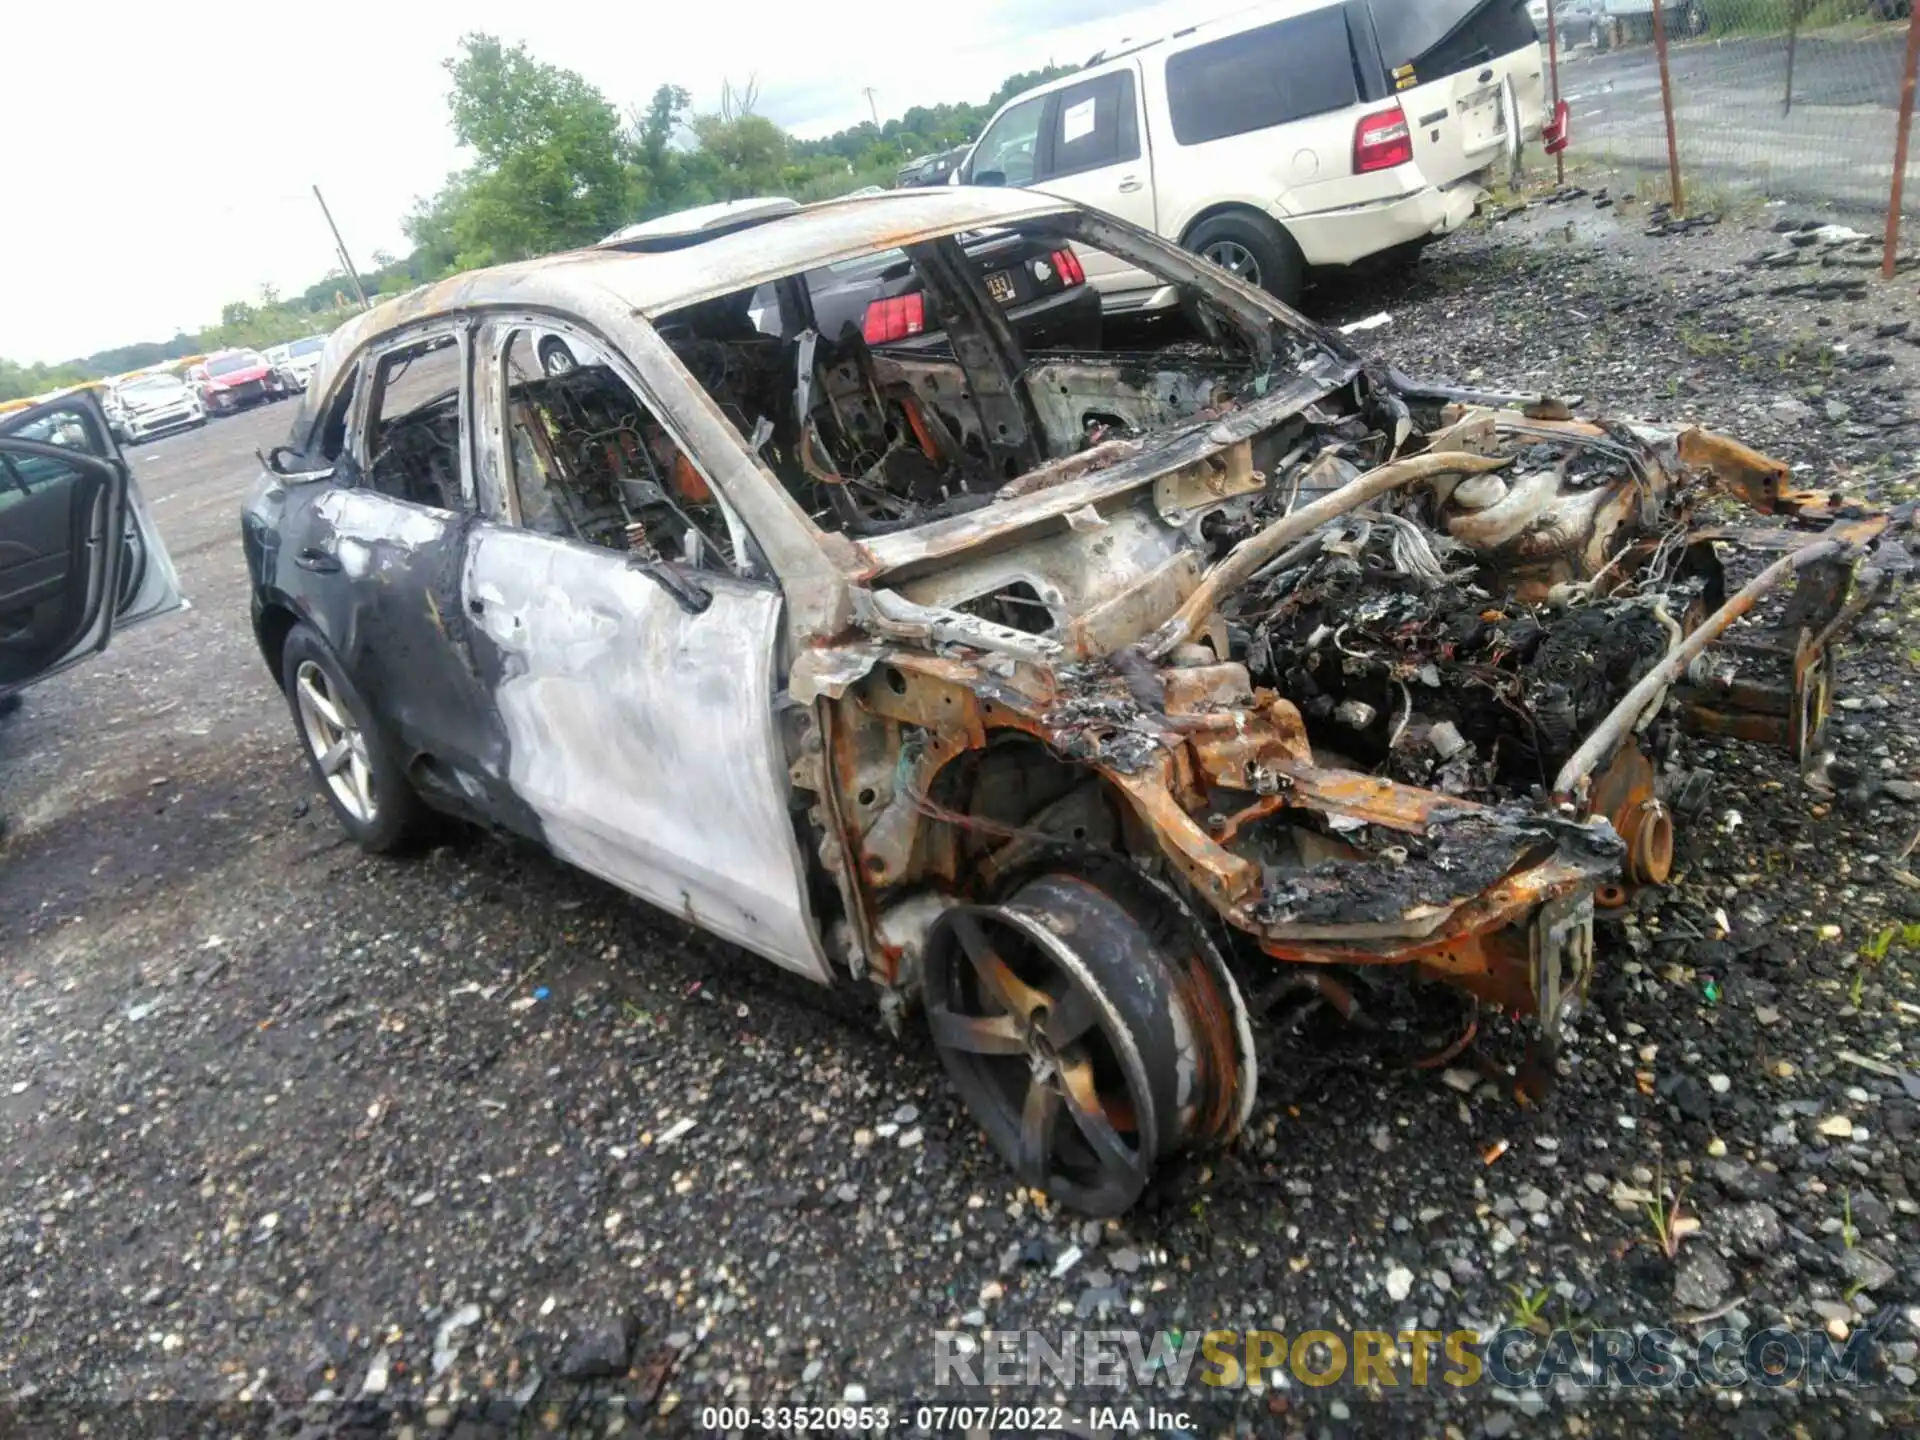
x: 983, y: 341
x: 1482, y: 934
x: 1165, y: 797
x: 1256, y: 550
x: 1759, y: 481
x: 1625, y: 795
x: 876, y: 955
x: 1602, y: 739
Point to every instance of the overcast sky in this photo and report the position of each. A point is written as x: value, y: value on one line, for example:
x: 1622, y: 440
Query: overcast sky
x: 178, y: 142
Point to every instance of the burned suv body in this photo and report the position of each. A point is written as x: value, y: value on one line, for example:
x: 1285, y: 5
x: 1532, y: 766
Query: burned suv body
x: 1056, y: 694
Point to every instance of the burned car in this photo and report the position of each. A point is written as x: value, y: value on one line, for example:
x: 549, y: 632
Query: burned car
x: 1080, y: 702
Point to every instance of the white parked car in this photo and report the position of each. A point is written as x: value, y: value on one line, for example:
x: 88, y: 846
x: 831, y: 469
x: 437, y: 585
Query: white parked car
x: 298, y: 359
x: 80, y: 558
x: 1298, y: 133
x: 143, y: 406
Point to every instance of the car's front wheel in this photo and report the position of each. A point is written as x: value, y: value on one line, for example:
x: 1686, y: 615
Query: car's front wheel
x: 1254, y: 249
x: 356, y: 765
x: 1091, y: 1029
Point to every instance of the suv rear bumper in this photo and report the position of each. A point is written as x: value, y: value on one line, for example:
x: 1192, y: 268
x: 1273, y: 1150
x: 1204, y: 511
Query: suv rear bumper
x: 1353, y: 232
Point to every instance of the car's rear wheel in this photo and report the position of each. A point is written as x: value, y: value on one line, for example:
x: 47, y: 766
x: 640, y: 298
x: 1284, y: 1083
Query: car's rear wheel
x: 555, y: 357
x: 1091, y: 1031
x: 1254, y: 249
x: 352, y: 759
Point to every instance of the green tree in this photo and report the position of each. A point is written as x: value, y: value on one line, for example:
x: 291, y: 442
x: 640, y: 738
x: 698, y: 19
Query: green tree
x: 551, y: 171
x: 742, y: 156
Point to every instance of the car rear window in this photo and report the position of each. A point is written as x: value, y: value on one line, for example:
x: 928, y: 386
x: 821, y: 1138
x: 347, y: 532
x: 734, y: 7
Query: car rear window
x: 1261, y: 78
x: 1423, y: 40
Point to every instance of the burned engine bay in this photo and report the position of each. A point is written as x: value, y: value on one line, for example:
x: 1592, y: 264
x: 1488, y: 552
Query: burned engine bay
x: 1376, y: 672
x: 1391, y: 675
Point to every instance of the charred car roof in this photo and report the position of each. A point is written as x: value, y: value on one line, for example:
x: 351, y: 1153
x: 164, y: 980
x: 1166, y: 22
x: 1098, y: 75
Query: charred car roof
x: 651, y: 283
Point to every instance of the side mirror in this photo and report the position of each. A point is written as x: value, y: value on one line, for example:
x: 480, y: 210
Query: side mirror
x: 687, y: 591
x: 988, y: 177
x: 290, y: 464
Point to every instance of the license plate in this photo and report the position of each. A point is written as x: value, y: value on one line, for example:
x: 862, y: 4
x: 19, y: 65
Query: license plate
x: 1000, y: 286
x: 1480, y: 122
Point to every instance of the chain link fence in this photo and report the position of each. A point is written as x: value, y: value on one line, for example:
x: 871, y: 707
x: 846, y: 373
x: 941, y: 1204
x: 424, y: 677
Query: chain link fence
x: 1789, y: 99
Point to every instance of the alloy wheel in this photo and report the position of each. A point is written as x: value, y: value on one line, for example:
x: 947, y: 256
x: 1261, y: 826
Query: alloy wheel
x: 339, y: 746
x: 1042, y: 1060
x: 1235, y: 259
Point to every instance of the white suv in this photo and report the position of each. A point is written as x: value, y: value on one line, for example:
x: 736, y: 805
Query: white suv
x: 1293, y: 134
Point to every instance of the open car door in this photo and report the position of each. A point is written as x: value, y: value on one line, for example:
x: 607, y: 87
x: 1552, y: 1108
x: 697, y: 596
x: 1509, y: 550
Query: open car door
x: 79, y: 556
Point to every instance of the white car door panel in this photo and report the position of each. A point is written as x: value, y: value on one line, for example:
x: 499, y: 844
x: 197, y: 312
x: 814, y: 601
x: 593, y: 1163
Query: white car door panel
x: 80, y: 558
x: 1093, y: 149
x: 644, y: 736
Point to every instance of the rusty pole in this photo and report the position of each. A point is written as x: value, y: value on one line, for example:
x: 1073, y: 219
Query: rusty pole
x: 1553, y: 70
x: 1793, y: 40
x: 1675, y: 193
x: 1900, y: 149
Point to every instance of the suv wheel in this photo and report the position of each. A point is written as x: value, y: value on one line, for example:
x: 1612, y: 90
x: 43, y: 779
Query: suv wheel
x: 352, y: 759
x: 555, y: 357
x: 1254, y: 249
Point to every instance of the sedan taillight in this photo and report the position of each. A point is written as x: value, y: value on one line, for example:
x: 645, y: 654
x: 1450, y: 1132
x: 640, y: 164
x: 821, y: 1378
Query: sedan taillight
x: 1067, y: 265
x: 895, y: 319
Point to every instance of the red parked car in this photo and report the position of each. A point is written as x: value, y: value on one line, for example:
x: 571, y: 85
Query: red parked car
x: 231, y: 380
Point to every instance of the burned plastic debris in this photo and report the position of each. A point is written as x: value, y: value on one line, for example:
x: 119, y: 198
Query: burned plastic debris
x: 1459, y: 854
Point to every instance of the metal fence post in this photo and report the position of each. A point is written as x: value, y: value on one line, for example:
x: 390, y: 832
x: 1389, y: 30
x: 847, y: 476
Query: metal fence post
x: 1794, y: 9
x: 1900, y: 149
x: 1553, y: 69
x: 1675, y: 195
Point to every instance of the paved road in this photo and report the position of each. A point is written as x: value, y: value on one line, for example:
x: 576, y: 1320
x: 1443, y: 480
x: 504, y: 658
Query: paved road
x: 1835, y: 145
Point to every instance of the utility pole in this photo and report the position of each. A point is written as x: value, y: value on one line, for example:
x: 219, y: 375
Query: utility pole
x: 340, y: 248
x: 872, y: 109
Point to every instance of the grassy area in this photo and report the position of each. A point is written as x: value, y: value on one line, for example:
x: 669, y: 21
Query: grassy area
x: 1753, y: 18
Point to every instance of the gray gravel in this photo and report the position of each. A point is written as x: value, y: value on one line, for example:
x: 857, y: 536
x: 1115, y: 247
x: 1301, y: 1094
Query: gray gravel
x: 471, y: 1136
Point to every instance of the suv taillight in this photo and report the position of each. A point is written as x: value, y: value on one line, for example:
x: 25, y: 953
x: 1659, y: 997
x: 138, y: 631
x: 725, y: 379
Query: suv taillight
x: 895, y: 319
x: 1066, y: 265
x: 1381, y: 141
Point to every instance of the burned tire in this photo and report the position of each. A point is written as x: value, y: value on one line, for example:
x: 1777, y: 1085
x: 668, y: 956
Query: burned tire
x: 1083, y: 1040
x: 353, y: 761
x: 1254, y: 249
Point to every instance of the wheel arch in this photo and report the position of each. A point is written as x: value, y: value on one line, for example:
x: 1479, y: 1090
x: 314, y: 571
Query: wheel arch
x: 1221, y: 208
x: 273, y: 622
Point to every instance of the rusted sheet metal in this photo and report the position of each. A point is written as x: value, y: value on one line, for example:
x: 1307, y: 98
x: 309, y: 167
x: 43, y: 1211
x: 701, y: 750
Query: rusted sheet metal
x: 1625, y: 795
x: 1605, y: 736
x: 1214, y: 731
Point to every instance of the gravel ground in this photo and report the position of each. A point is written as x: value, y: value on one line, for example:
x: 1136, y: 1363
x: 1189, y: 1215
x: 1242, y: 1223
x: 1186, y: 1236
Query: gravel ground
x: 471, y: 1137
